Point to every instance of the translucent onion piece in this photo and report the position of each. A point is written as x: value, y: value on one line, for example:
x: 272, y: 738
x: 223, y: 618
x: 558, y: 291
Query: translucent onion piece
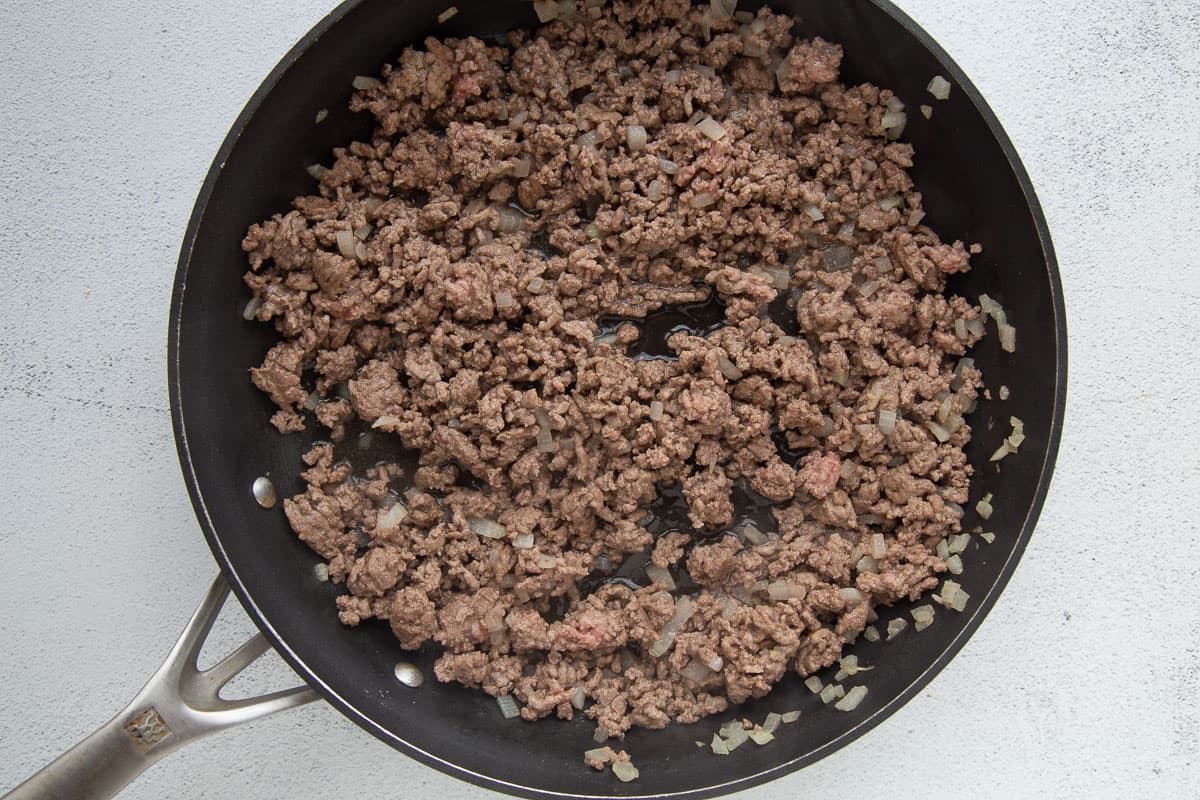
x: 922, y: 617
x: 518, y: 119
x: 251, y: 309
x: 536, y: 286
x: 728, y: 368
x: 939, y: 87
x: 546, y: 10
x: 523, y: 167
x: 718, y: 746
x: 668, y: 166
x: 661, y: 576
x: 696, y: 671
x: 1008, y: 338
x: 392, y: 517
x: 814, y: 213
x: 487, y: 528
x: 385, y: 421
x: 635, y: 138
x: 871, y: 633
x: 321, y: 572
x: 852, y: 596
x: 654, y: 191
x: 508, y: 707
x: 523, y: 541
x: 877, y: 545
x: 703, y: 199
x: 761, y: 737
x: 447, y: 15
x: 345, y: 243
x: 783, y: 590
x: 852, y: 699
x: 656, y: 410
x: 895, y: 627
x: 363, y: 82
x: 504, y: 299
x: 831, y: 693
x: 509, y: 220
x: 789, y: 717
x: 684, y: 608
x: 578, y: 697
x: 711, y: 128
x: 814, y: 684
x: 625, y: 771
x: 772, y: 722
x: 316, y: 171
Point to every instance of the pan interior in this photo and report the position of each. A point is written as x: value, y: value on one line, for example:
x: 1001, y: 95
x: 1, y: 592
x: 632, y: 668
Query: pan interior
x: 975, y: 190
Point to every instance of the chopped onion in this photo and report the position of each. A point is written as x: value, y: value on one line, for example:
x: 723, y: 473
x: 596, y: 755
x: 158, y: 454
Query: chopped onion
x: 780, y: 278
x: 345, y: 243
x: 877, y: 545
x: 360, y: 251
x: 545, y: 561
x: 939, y: 87
x: 852, y: 699
x: 736, y: 737
x: 536, y: 285
x: 1004, y: 393
x: 743, y: 17
x: 894, y: 103
x: 508, y: 707
x: 654, y: 190
x: 321, y: 572
x: 728, y: 368
x: 392, y: 517
x: 832, y: 692
x: 895, y: 627
x: 518, y: 119
x: 771, y: 723
x: 322, y: 113
x: 871, y: 633
x: 992, y: 308
x: 783, y: 590
x: 718, y: 746
x: 385, y: 421
x: 668, y: 166
x: 927, y: 112
x: 922, y: 617
x: 250, y: 310
x: 943, y: 549
x: 814, y: 213
x: 696, y: 671
x: 958, y: 543
x: 703, y: 199
x: 656, y: 410
x: 1008, y: 337
x: 984, y: 506
x: 711, y: 128
x: 504, y: 299
x: 606, y: 338
x: 546, y: 10
x: 955, y: 565
x: 661, y: 576
x: 837, y: 257
x: 523, y: 541
x: 814, y: 684
x: 684, y: 608
x: 866, y: 564
x: 789, y: 717
x: 578, y: 698
x: 851, y: 595
x: 523, y: 167
x: 592, y: 230
x: 316, y: 171
x: 752, y: 535
x: 960, y: 328
x: 362, y: 83
x: 1002, y: 451
x: 894, y: 122
x: 509, y: 220
x: 940, y: 433
x: 716, y: 663
x: 635, y: 138
x: 545, y: 441
x: 487, y: 528
x: 723, y: 9
x: 889, y: 203
x: 761, y: 737
x: 987, y: 536
x: 625, y: 771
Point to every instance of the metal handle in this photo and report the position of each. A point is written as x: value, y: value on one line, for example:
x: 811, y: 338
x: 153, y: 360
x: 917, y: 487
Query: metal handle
x: 179, y: 704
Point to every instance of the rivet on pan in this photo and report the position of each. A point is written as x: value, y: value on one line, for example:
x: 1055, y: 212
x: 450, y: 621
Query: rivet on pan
x: 408, y: 674
x: 264, y: 492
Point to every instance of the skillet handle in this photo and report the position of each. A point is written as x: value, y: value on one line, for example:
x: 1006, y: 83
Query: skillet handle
x: 178, y: 704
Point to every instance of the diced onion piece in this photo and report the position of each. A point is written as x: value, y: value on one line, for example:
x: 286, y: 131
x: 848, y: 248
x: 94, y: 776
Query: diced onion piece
x: 668, y: 166
x: 736, y: 737
x: 992, y: 308
x: 509, y: 220
x: 703, y: 199
x: 960, y: 328
x: 523, y: 541
x: 832, y: 692
x: 814, y: 684
x: 814, y: 213
x: 887, y: 422
x: 851, y: 595
x: 487, y: 528
x: 753, y: 536
x: 718, y: 746
x: 504, y: 299
x: 322, y: 113
x: 894, y: 103
x: 545, y: 441
x: 960, y: 600
x: 939, y: 433
x: 889, y: 203
x: 943, y: 549
x: 656, y: 410
x: 592, y: 230
x: 954, y: 564
x: 958, y: 542
x: 1001, y: 451
x: 578, y: 697
x: 518, y: 119
x: 877, y: 545
x: 976, y: 327
x: 988, y: 536
x: 939, y: 87
x: 927, y: 112
x: 606, y: 338
x: 895, y: 627
x: 894, y: 122
x: 684, y: 608
x: 866, y: 564
x: 321, y: 571
x: 723, y: 9
x: 871, y: 633
x: 316, y: 171
x: 546, y: 10
x: 948, y: 590
x: 523, y: 167
x: 363, y: 82
x: 447, y: 15
x: 984, y: 506
x: 728, y: 368
x: 852, y: 699
x: 599, y: 755
x: 695, y: 671
x: 789, y: 717
x: 654, y: 191
x: 392, y: 517
x: 761, y: 737
x: 385, y: 421
x: 536, y: 285
x: 716, y: 663
x: 711, y: 128
x: 250, y: 310
x: 783, y: 590
x: 635, y: 138
x: 922, y: 617
x: 508, y: 706
x: 772, y: 722
x: 1008, y: 337
x: 661, y: 576
x: 312, y: 401
x: 345, y: 243
x: 625, y: 771
x: 545, y: 561
x: 1004, y: 393
x: 780, y: 278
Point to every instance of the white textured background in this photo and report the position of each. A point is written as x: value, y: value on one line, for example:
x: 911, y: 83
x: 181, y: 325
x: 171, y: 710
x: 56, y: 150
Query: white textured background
x: 1081, y: 683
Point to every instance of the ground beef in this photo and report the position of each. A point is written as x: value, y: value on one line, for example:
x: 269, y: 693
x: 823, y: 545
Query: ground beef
x: 479, y: 287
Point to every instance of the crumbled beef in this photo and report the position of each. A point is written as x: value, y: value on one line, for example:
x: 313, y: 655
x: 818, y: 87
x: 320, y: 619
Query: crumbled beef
x: 504, y: 222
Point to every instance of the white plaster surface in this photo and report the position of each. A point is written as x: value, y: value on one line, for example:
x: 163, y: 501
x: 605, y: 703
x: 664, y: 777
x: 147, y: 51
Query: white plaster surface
x: 1082, y: 681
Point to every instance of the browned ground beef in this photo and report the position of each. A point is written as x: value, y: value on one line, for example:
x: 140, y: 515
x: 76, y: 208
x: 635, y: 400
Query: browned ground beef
x: 457, y: 322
